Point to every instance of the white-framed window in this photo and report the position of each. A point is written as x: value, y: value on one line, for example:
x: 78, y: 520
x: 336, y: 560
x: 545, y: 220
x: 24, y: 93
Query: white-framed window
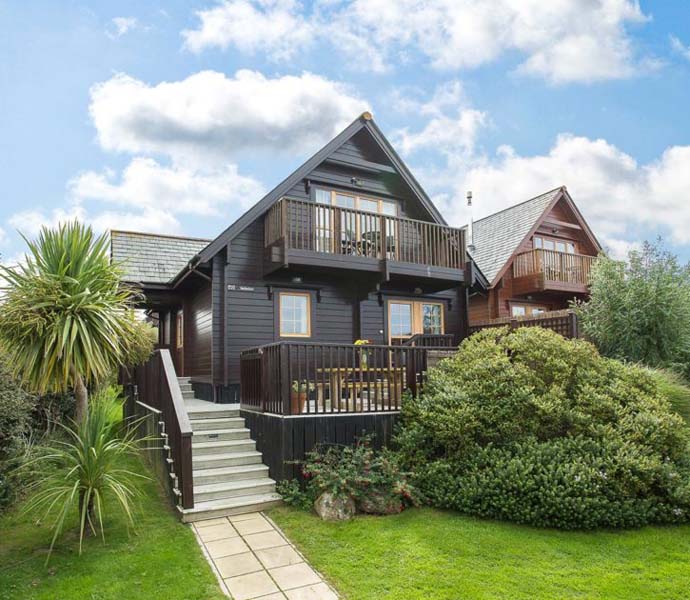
x: 294, y: 314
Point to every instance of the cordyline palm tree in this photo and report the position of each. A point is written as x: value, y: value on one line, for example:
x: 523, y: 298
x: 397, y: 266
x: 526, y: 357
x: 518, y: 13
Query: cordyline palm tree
x: 66, y: 320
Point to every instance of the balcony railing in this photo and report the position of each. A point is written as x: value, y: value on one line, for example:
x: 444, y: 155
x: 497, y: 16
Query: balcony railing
x: 296, y: 378
x: 558, y: 267
x: 326, y: 229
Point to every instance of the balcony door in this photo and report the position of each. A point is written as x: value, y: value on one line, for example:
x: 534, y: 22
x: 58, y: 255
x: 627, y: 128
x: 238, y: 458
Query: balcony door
x: 411, y: 317
x: 356, y: 229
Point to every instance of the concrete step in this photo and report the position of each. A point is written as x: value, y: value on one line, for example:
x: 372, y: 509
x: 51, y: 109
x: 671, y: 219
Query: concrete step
x: 233, y: 489
x: 220, y: 435
x: 195, y: 414
x: 186, y: 387
x: 229, y: 506
x: 242, y: 472
x: 188, y: 394
x: 226, y: 459
x: 222, y: 446
x: 217, y: 423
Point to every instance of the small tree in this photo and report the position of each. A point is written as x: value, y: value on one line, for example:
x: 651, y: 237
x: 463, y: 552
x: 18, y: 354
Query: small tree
x: 640, y: 309
x: 66, y: 320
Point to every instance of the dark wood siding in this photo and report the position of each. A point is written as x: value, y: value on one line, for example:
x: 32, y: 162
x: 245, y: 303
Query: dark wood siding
x: 283, y: 441
x: 197, y: 347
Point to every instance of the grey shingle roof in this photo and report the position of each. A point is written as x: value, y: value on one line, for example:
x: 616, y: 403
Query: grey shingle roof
x: 497, y: 236
x: 150, y: 258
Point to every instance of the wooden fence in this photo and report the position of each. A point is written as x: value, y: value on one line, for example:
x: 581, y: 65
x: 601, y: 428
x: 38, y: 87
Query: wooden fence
x: 562, y: 321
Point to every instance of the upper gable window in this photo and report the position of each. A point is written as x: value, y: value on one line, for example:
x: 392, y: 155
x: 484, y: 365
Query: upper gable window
x: 547, y: 243
x: 363, y: 203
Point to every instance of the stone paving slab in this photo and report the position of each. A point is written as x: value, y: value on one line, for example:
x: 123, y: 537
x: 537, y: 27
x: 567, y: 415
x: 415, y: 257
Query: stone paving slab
x: 253, y: 560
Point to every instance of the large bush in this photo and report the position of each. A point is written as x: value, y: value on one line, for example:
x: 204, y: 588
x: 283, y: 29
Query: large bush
x: 16, y: 408
x: 527, y: 426
x: 639, y: 309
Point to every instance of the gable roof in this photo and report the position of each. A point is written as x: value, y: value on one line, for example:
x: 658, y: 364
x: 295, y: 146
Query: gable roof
x: 497, y: 236
x: 364, y: 121
x: 152, y: 258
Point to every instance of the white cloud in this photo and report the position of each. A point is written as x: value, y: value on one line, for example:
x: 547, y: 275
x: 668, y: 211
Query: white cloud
x: 618, y: 196
x: 177, y: 190
x: 209, y: 116
x: 199, y: 125
x: 679, y: 47
x: 121, y: 26
x: 272, y: 26
x: 151, y: 220
x: 562, y: 41
x: 3, y: 235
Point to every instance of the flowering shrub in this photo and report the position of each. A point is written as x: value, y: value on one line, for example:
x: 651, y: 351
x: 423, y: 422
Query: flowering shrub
x: 373, y: 479
x: 529, y: 427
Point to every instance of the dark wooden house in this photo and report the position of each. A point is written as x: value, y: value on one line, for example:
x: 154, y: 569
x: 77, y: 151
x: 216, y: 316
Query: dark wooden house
x: 270, y: 315
x: 536, y: 256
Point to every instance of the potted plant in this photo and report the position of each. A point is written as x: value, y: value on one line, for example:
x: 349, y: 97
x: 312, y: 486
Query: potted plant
x: 299, y: 395
x: 363, y: 353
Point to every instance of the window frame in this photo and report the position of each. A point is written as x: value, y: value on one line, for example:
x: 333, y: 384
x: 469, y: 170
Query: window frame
x: 357, y: 197
x: 417, y: 314
x: 527, y: 305
x: 306, y: 295
x: 554, y: 241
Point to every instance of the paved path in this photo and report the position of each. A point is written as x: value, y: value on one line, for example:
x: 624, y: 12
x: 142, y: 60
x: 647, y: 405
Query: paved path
x: 253, y: 559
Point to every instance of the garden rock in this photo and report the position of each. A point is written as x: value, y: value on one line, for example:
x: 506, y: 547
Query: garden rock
x: 334, y: 508
x: 379, y: 503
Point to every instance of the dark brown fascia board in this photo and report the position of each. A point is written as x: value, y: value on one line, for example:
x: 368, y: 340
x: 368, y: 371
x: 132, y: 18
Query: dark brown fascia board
x: 406, y: 174
x: 362, y: 122
x: 530, y: 233
x: 563, y: 194
x: 279, y: 191
x: 581, y: 220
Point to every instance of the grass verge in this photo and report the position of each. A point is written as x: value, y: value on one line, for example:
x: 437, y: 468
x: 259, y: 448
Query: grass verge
x: 161, y: 560
x: 431, y: 554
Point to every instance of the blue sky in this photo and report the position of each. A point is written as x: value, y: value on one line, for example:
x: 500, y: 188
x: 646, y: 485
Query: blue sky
x: 174, y: 117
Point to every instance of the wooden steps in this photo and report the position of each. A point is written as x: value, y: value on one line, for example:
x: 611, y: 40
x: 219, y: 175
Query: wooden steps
x: 229, y: 475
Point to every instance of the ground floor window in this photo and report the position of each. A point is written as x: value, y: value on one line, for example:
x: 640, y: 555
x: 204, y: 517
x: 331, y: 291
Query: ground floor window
x: 527, y: 310
x: 410, y: 317
x: 295, y: 314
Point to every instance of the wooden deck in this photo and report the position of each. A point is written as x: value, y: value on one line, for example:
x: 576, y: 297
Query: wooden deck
x: 291, y: 378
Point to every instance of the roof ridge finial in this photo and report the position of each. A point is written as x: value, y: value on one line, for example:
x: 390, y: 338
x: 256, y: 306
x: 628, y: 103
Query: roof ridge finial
x: 470, y: 227
x: 366, y: 115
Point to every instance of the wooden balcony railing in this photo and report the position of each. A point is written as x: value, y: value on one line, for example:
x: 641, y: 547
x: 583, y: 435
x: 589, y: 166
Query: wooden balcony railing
x: 155, y: 385
x: 301, y: 225
x: 559, y: 267
x: 296, y: 378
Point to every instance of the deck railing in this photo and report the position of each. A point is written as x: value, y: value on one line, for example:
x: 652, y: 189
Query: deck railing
x: 326, y: 229
x: 297, y: 378
x: 433, y: 340
x: 157, y: 387
x: 560, y: 267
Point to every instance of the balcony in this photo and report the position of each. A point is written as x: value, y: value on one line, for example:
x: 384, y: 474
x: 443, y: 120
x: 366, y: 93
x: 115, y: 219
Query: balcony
x: 548, y: 271
x: 305, y: 233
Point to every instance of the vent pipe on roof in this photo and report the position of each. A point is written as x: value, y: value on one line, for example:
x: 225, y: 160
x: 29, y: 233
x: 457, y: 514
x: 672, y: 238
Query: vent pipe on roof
x: 470, y: 227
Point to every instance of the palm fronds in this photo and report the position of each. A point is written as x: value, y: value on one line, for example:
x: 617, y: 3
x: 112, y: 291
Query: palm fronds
x: 83, y: 471
x: 66, y: 314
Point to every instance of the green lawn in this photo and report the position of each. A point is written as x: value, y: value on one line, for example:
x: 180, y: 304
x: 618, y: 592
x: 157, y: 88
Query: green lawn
x: 162, y: 560
x: 430, y: 554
